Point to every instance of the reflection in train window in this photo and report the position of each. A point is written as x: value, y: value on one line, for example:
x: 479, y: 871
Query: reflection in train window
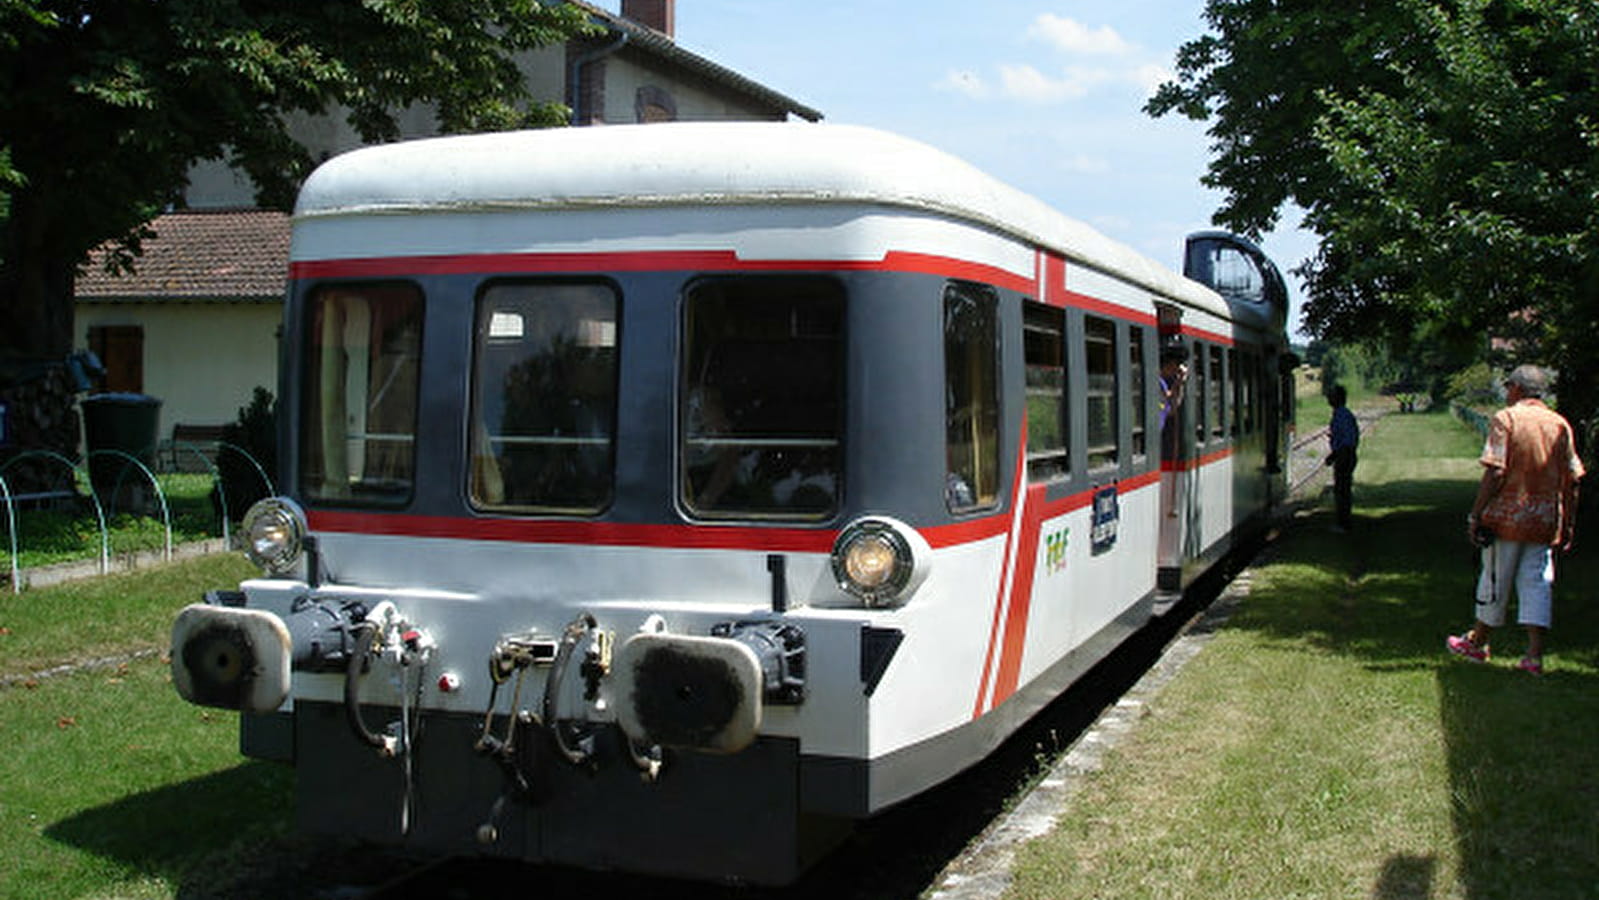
x: 360, y: 400
x: 1100, y: 345
x: 1135, y: 378
x: 1215, y: 396
x: 1044, y: 350
x: 971, y: 397
x: 762, y: 404
x: 544, y: 397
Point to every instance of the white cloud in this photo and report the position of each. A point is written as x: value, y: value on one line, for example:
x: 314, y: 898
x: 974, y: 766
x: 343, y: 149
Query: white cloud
x: 1121, y: 66
x: 1026, y: 83
x: 1074, y: 37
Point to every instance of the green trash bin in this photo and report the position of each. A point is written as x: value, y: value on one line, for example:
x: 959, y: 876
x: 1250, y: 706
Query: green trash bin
x: 123, y: 422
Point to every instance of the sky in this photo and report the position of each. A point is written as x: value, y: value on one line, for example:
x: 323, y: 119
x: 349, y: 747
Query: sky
x: 1046, y: 96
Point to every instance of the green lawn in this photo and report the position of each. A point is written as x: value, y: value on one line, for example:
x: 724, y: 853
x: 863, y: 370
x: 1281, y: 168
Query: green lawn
x: 1321, y: 746
x: 1324, y: 746
x: 48, y: 536
x: 110, y: 785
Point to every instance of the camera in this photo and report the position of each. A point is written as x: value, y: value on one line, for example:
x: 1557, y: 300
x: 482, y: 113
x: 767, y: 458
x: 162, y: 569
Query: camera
x: 1482, y: 536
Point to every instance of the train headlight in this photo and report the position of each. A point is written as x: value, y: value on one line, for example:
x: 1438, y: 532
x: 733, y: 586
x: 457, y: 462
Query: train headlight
x: 876, y: 560
x: 274, y: 534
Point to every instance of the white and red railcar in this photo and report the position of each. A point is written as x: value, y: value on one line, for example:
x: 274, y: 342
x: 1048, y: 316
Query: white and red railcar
x: 665, y: 498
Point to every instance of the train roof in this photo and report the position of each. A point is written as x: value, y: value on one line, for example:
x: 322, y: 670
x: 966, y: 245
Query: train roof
x: 711, y: 163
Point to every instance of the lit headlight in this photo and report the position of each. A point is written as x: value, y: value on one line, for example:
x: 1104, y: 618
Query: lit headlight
x: 274, y: 534
x: 875, y: 559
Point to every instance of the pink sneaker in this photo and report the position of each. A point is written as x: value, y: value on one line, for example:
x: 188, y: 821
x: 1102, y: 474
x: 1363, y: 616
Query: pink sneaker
x: 1532, y: 665
x: 1463, y: 647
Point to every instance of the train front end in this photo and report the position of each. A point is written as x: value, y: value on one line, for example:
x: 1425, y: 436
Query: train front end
x: 562, y: 570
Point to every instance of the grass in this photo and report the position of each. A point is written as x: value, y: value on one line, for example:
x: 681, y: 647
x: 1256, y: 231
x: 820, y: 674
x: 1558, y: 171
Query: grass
x: 114, y: 614
x: 1323, y: 746
x: 110, y: 784
x: 48, y: 536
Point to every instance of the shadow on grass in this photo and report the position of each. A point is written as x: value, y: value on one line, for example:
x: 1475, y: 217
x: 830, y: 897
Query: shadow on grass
x: 186, y: 833
x: 1523, y: 783
x: 1524, y: 787
x: 1404, y: 877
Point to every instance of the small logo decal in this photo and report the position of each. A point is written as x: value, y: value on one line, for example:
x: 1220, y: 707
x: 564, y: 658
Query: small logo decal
x: 1055, y: 550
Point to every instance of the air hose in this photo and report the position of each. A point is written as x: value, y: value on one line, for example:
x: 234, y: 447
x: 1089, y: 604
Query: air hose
x: 361, y: 633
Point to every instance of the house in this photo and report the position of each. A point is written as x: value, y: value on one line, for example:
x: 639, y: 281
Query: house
x: 196, y: 323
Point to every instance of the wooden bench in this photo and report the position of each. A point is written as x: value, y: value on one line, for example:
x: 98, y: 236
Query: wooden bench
x: 179, y: 453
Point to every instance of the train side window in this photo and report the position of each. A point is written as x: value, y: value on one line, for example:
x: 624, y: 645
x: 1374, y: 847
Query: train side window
x: 1235, y: 407
x: 360, y: 396
x: 971, y: 397
x: 1198, y: 386
x: 761, y: 407
x: 1252, y: 391
x: 1103, y: 424
x: 1216, y: 396
x: 1136, y: 374
x: 544, y: 397
x: 1044, y: 349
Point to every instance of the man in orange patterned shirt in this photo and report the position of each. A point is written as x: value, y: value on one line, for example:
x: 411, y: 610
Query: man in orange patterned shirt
x: 1526, y: 504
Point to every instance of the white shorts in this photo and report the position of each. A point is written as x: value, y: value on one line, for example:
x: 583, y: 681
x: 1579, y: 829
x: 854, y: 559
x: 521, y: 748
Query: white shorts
x: 1531, y: 568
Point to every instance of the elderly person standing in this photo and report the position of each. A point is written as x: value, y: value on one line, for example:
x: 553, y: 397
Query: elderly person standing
x: 1526, y: 505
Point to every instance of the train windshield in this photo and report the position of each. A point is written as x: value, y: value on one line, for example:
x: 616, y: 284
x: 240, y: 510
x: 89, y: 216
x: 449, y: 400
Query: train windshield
x: 544, y: 397
x: 359, y: 443
x: 762, y: 398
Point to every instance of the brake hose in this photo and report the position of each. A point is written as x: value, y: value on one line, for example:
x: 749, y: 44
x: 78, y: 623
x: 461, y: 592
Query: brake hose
x: 361, y: 639
x: 580, y: 626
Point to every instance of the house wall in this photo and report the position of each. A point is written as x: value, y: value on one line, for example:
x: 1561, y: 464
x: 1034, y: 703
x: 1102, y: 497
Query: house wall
x: 626, y: 76
x: 204, y: 360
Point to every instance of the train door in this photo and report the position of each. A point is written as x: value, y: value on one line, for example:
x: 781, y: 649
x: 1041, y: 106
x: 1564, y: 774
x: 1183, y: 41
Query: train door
x: 1175, y: 373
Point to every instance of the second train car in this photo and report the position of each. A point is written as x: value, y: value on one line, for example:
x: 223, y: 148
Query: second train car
x: 667, y: 498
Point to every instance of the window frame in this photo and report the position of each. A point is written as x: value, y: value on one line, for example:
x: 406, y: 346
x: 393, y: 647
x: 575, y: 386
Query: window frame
x: 478, y: 465
x: 986, y: 423
x: 1216, y: 394
x: 1138, y: 344
x: 312, y: 442
x: 1098, y: 459
x: 1054, y: 462
x: 684, y: 405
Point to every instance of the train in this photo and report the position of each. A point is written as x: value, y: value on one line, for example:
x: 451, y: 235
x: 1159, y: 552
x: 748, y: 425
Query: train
x: 669, y: 499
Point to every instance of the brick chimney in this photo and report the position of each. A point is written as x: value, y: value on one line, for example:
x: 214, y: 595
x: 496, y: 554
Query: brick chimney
x: 660, y: 15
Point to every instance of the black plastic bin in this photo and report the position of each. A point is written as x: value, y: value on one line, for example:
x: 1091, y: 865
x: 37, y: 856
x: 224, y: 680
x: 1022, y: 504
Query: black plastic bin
x: 124, y: 422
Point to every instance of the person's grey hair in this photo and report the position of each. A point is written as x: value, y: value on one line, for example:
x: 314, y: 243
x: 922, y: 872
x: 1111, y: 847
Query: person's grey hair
x: 1533, y: 380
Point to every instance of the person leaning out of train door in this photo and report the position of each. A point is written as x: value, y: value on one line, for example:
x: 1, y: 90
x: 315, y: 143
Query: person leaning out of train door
x: 1526, y: 506
x: 1343, y: 440
x: 1173, y: 375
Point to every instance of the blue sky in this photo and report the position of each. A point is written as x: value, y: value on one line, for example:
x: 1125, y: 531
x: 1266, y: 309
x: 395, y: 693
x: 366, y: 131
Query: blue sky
x: 1046, y: 96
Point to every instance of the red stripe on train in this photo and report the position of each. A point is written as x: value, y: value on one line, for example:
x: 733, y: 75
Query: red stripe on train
x: 646, y: 261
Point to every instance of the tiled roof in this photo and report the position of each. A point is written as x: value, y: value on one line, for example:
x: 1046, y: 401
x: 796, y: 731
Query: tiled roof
x: 198, y: 255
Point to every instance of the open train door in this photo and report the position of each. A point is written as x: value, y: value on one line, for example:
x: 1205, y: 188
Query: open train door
x: 1176, y: 447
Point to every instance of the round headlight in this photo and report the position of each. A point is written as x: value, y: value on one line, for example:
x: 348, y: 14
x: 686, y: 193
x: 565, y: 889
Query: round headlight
x: 873, y: 561
x: 274, y: 534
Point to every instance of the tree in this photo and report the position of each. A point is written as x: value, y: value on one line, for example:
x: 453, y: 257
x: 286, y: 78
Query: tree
x: 106, y: 104
x: 1446, y: 152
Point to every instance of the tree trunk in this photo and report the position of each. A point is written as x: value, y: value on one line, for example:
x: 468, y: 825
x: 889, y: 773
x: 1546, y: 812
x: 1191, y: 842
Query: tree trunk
x: 36, y: 315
